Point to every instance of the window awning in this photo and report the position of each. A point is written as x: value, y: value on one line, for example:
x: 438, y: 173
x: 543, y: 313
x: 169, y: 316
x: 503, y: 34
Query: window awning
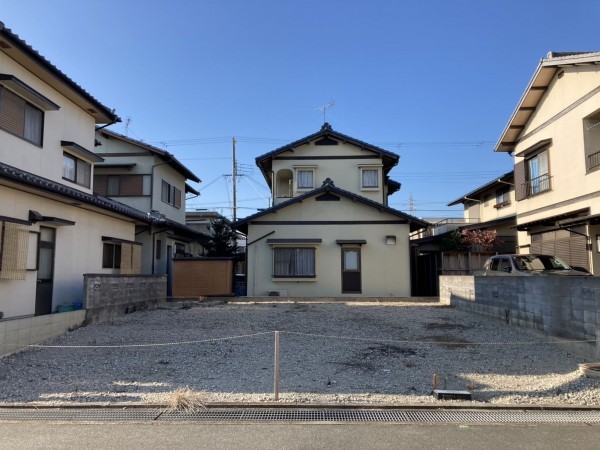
x: 35, y: 217
x: 294, y: 241
x: 81, y: 152
x: 351, y: 242
x: 27, y: 92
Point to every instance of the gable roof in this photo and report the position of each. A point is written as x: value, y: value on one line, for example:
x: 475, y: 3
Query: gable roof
x: 167, y: 157
x: 501, y: 180
x: 264, y: 162
x: 329, y: 187
x: 537, y: 87
x: 24, y: 54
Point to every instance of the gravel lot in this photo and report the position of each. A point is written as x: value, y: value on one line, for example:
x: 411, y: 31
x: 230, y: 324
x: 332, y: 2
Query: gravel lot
x: 355, y: 353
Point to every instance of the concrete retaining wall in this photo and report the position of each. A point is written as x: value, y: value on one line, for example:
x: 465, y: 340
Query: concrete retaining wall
x: 109, y: 296
x: 561, y: 307
x: 15, y: 334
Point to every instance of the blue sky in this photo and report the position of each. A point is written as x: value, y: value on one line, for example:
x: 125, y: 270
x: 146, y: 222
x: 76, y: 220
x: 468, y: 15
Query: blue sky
x: 433, y: 81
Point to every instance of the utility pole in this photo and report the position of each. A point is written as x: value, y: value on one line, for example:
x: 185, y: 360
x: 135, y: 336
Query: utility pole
x: 233, y: 177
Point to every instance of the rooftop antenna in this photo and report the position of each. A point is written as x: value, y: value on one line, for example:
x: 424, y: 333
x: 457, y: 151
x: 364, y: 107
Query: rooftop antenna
x: 127, y: 123
x: 324, y: 108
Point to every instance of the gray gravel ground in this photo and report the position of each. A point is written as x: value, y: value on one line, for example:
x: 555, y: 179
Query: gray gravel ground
x: 355, y: 353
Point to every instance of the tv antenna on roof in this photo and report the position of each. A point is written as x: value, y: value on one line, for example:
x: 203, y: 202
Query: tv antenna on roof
x: 324, y: 108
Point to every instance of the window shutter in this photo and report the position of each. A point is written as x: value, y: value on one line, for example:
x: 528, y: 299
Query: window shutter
x: 126, y: 256
x: 14, y: 243
x: 100, y: 184
x: 177, y: 199
x: 131, y: 259
x: 12, y: 112
x: 131, y: 185
x: 520, y: 180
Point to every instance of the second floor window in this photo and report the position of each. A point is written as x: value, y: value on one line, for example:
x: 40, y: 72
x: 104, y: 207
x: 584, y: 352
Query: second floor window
x: 171, y: 195
x: 306, y: 179
x: 370, y: 178
x: 20, y: 118
x: 538, y: 177
x: 76, y: 170
x: 502, y: 197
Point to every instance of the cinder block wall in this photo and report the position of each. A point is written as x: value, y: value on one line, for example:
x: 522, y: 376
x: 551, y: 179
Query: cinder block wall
x: 562, y: 307
x: 110, y: 296
x: 17, y: 334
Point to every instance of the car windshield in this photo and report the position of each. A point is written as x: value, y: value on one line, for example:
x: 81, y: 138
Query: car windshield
x: 540, y: 262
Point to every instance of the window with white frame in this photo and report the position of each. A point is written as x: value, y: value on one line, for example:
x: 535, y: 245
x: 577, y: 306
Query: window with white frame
x: 294, y: 262
x: 305, y: 178
x: 76, y: 170
x: 369, y: 178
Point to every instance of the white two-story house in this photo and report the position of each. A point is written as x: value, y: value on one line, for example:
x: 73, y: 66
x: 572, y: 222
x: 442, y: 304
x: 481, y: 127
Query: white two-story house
x: 53, y: 229
x: 330, y: 231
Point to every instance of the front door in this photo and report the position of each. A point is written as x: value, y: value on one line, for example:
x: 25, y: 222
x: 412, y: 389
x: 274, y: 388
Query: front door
x: 351, y: 276
x: 45, y: 274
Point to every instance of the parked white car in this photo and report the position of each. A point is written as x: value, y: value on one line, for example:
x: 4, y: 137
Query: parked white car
x: 528, y: 265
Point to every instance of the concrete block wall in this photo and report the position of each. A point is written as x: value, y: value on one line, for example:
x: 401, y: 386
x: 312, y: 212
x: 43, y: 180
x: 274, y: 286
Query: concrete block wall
x: 16, y: 334
x: 110, y: 296
x: 563, y: 307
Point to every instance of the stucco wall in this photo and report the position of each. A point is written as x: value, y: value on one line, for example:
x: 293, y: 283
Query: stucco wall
x: 69, y: 123
x: 385, y: 268
x: 563, y: 307
x: 78, y: 249
x: 567, y: 160
x: 345, y: 173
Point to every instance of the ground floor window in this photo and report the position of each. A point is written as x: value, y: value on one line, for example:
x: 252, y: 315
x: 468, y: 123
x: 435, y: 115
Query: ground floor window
x: 294, y: 262
x: 111, y: 256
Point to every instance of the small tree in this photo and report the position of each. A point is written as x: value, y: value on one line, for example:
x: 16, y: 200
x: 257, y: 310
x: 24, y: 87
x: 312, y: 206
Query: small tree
x: 222, y: 239
x: 453, y: 242
x: 486, y: 239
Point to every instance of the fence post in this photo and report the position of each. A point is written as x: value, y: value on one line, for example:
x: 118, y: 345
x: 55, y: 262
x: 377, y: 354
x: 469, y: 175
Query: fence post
x: 276, y: 368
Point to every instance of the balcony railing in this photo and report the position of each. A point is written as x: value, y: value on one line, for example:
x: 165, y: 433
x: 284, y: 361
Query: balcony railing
x: 537, y: 185
x: 593, y: 160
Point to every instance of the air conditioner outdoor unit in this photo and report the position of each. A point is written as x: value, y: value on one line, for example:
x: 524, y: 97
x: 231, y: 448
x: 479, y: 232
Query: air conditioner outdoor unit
x: 281, y: 293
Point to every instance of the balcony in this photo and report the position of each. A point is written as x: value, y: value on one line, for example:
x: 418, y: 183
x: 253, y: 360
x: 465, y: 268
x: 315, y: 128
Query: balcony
x: 593, y: 160
x: 537, y: 185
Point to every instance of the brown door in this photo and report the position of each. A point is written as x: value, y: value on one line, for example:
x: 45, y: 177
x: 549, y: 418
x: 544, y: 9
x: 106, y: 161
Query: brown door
x: 351, y: 267
x: 45, y: 274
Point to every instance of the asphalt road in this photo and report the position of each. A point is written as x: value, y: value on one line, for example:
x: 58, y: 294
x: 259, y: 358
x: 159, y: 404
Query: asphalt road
x: 193, y: 435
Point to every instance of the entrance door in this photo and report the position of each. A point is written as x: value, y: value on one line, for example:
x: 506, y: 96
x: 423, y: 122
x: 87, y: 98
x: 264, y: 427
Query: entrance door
x: 351, y: 277
x: 45, y: 274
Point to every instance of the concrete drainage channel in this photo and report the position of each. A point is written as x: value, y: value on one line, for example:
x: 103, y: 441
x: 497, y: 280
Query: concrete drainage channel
x: 307, y: 415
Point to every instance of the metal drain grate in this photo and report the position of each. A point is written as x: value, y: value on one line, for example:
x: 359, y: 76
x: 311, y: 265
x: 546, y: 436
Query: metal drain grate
x: 305, y: 415
x: 78, y: 414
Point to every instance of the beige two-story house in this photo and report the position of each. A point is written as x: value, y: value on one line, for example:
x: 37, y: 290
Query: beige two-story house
x: 154, y: 181
x: 555, y: 139
x: 53, y: 229
x: 330, y: 231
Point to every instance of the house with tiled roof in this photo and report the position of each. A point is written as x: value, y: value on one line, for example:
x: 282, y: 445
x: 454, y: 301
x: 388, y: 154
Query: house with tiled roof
x: 329, y: 231
x: 554, y: 137
x: 490, y: 207
x: 53, y: 228
x: 154, y: 181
